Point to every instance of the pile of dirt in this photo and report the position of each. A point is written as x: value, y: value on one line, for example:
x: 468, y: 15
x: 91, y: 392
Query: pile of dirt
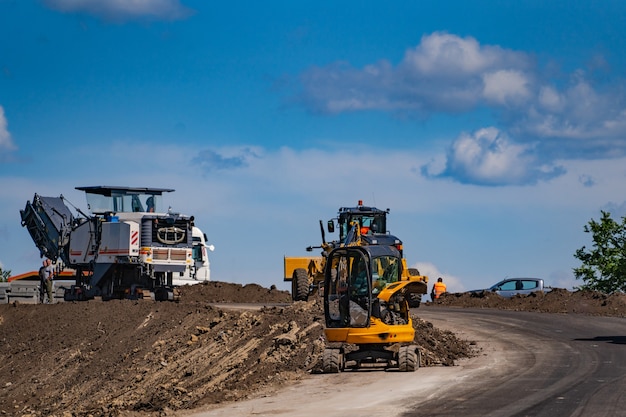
x: 557, y: 300
x: 144, y: 358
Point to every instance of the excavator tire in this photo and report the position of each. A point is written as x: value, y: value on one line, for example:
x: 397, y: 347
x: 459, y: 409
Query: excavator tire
x: 414, y: 299
x: 332, y: 361
x: 408, y: 359
x: 300, y: 285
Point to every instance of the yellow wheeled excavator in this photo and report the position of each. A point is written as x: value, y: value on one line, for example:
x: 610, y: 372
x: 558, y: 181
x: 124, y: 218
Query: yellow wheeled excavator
x: 366, y: 309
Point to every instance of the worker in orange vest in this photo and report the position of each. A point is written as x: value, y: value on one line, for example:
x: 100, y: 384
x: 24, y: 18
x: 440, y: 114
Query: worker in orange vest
x: 438, y: 288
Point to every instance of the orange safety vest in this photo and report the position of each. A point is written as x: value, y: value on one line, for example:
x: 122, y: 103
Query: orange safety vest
x: 439, y: 288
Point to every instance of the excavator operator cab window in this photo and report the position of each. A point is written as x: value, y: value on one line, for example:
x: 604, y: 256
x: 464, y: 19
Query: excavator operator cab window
x: 348, y: 291
x: 385, y: 271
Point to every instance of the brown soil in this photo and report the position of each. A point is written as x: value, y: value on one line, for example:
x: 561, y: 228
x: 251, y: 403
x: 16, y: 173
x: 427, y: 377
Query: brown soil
x: 145, y: 358
x: 556, y: 301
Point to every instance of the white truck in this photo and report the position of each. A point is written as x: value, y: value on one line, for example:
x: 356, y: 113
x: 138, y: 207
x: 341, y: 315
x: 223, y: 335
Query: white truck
x: 200, y: 269
x: 126, y: 247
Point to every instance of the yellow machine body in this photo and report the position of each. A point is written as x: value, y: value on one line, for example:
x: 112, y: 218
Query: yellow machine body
x: 379, y: 332
x: 366, y: 305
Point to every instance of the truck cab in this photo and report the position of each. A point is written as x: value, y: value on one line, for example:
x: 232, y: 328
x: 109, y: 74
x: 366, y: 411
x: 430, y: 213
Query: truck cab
x: 200, y: 269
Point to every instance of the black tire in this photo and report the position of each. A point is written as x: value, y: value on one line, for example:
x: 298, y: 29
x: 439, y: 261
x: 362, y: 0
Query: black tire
x: 107, y: 290
x: 300, y: 285
x: 407, y: 359
x: 415, y: 300
x: 418, y: 364
x: 332, y: 361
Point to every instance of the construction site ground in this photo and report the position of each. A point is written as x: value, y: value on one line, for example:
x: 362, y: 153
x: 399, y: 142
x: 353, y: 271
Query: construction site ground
x: 220, y: 343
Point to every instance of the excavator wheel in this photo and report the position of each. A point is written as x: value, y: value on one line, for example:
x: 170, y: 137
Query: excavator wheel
x: 408, y: 359
x: 300, y: 285
x: 415, y: 300
x: 332, y: 361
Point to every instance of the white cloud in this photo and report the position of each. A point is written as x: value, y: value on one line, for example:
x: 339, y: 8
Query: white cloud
x: 443, y: 73
x: 446, y: 54
x: 6, y: 143
x: 506, y: 86
x: 545, y: 120
x: 489, y: 157
x: 579, y: 117
x: 121, y: 10
x: 453, y: 284
x: 550, y: 99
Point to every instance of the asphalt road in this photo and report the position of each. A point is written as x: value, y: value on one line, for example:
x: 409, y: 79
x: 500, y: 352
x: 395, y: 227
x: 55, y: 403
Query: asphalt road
x: 554, y: 365
x: 531, y: 364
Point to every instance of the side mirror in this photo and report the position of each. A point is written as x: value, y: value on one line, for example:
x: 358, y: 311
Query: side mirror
x: 331, y: 226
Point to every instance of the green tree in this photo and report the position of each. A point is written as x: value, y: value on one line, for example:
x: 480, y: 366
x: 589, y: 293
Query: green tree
x: 4, y: 274
x: 604, y: 267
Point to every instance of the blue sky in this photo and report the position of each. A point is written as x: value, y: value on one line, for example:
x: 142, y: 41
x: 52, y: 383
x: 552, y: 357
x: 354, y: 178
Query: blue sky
x: 493, y: 130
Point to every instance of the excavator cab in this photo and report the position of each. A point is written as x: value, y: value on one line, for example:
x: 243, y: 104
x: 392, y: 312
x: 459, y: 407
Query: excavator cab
x: 365, y: 306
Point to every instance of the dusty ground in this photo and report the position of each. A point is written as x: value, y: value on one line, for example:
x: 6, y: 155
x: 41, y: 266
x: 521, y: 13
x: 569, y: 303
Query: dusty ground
x: 143, y: 358
x: 556, y: 301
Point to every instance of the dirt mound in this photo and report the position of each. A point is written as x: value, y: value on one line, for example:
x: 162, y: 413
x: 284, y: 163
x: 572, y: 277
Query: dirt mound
x: 146, y: 358
x: 224, y: 292
x: 556, y: 301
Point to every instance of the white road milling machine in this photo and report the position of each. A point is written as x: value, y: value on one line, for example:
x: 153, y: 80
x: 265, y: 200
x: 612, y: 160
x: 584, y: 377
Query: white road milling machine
x: 127, y: 248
